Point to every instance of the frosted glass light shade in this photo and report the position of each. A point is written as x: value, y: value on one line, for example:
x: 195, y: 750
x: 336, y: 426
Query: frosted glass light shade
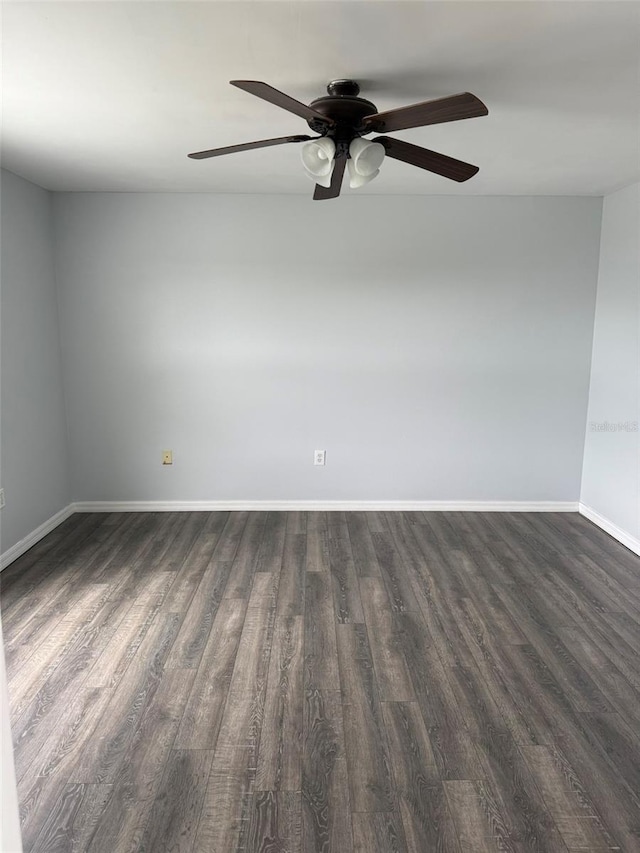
x: 364, y: 161
x: 318, y: 159
x: 356, y: 179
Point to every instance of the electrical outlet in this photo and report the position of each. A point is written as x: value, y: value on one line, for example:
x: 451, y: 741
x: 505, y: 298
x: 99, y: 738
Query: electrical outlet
x: 167, y: 457
x: 319, y: 457
x: 1, y: 498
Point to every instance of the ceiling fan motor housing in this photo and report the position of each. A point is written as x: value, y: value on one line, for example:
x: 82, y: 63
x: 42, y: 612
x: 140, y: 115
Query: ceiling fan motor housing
x: 345, y: 108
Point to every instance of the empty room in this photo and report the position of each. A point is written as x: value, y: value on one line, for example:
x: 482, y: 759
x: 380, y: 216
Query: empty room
x: 319, y: 445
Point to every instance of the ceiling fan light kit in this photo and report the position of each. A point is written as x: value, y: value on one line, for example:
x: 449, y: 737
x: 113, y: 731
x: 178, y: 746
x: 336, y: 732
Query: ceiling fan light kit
x: 341, y: 119
x: 364, y: 160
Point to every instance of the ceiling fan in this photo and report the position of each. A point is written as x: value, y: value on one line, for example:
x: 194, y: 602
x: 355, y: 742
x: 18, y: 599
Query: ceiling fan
x: 342, y: 119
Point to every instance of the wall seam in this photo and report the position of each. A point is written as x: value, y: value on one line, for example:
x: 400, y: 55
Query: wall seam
x: 63, y: 377
x: 593, y: 343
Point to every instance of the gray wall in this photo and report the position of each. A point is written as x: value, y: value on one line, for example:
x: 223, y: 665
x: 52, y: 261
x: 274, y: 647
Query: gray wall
x: 33, y: 437
x: 611, y: 476
x: 438, y: 348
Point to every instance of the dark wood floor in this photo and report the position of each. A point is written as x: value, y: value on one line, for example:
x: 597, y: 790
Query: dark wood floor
x: 308, y: 682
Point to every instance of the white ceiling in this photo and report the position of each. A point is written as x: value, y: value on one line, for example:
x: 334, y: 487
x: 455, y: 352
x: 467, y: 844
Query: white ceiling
x: 112, y: 96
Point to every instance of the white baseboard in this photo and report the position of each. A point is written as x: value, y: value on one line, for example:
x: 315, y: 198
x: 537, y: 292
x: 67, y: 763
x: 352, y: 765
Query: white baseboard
x: 612, y: 529
x: 321, y: 506
x: 36, y: 535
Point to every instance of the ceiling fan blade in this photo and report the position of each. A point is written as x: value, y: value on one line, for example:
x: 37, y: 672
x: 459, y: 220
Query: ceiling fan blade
x: 332, y: 191
x: 448, y: 167
x: 274, y: 96
x: 247, y: 146
x: 451, y: 108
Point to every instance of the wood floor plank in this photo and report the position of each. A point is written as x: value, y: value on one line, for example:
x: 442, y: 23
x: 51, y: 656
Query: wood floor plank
x: 128, y: 635
x: 626, y: 629
x: 274, y: 823
x: 317, y: 542
x: 246, y: 557
x: 620, y: 561
x: 566, y: 610
x: 478, y: 589
x: 72, y: 821
x: 255, y: 648
x: 292, y: 576
x: 392, y: 675
x: 337, y: 525
x: 480, y: 825
x: 494, y: 669
x: 214, y: 523
x: 38, y: 800
x: 102, y: 759
x: 377, y: 522
x: 187, y: 537
x: 232, y: 779
x: 588, y: 570
x: 400, y: 589
x: 419, y: 791
x: 618, y: 806
x: 346, y: 590
x: 562, y: 728
x: 38, y: 729
x: 297, y: 522
x: 617, y: 596
x: 414, y: 557
x: 442, y: 531
x: 561, y: 541
x: 451, y: 743
x: 122, y: 823
x: 43, y: 611
x: 324, y: 683
x: 272, y: 546
x: 200, y: 615
x: 378, y: 833
x: 37, y: 570
x: 279, y: 765
x: 136, y: 545
x: 620, y: 743
x: 583, y: 692
x: 412, y: 760
x: 174, y: 815
x: 231, y: 536
x: 427, y: 820
x: 475, y: 541
x: 320, y: 644
x: 364, y: 554
x: 205, y: 705
x: 370, y: 779
x: 577, y: 820
x: 25, y: 681
x: 514, y: 792
x: 326, y: 805
x: 43, y: 751
x: 624, y: 694
x: 442, y: 593
x: 190, y: 573
x: 537, y: 695
x: 29, y: 565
